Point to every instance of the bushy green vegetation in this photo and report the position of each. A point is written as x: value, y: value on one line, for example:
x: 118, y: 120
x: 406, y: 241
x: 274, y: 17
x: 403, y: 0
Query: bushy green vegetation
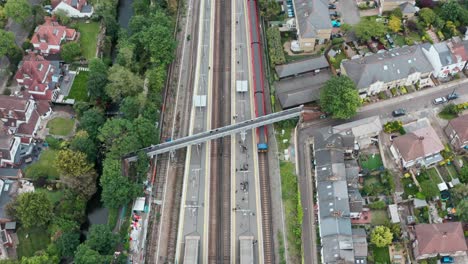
x: 43, y: 168
x: 371, y: 162
x: 340, y: 97
x: 31, y: 240
x: 394, y: 126
x: 275, y: 49
x: 293, y: 210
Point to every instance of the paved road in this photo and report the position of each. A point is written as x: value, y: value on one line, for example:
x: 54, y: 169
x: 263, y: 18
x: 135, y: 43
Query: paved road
x: 411, y: 102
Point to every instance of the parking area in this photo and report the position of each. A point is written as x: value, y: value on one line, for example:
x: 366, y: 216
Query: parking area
x: 348, y: 10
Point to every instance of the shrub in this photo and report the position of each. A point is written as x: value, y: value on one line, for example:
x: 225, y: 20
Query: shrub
x: 382, y: 95
x: 337, y: 41
x: 403, y: 90
x: 378, y: 205
x: 394, y: 91
x: 421, y: 196
x: 275, y: 48
x: 450, y: 109
x: 7, y: 91
x: 393, y: 126
x: 409, y: 41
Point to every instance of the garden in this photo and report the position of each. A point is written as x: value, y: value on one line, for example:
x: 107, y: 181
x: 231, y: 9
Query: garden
x: 89, y: 32
x: 79, y: 90
x: 382, y: 183
x: 31, y: 240
x: 43, y: 168
x: 371, y: 162
x: 60, y: 126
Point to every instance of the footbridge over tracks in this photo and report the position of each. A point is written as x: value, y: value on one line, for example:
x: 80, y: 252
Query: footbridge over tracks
x: 217, y: 133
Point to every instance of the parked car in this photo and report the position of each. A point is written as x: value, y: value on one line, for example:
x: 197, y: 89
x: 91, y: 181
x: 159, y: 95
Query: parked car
x: 446, y: 259
x: 336, y: 35
x: 390, y: 40
x: 452, y: 96
x: 399, y: 112
x: 336, y: 23
x: 334, y: 14
x: 440, y: 100
x: 331, y: 6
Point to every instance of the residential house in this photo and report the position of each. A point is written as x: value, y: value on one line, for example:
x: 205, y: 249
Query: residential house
x: 360, y: 245
x: 432, y: 240
x: 73, y: 8
x: 419, y: 146
x: 313, y: 23
x: 9, y: 145
x: 365, y: 131
x: 39, y: 77
x: 447, y: 58
x: 48, y: 37
x: 457, y: 132
x: 20, y: 117
x: 300, y: 82
x: 407, y: 7
x: 387, y: 69
x: 335, y: 199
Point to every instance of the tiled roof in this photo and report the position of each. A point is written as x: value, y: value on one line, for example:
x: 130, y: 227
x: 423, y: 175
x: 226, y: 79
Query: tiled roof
x: 51, y: 32
x: 387, y: 66
x: 33, y: 70
x: 77, y: 4
x: 302, y: 66
x: 418, y: 144
x: 28, y: 128
x: 312, y: 15
x: 440, y: 238
x: 42, y: 107
x: 14, y: 106
x: 460, y: 125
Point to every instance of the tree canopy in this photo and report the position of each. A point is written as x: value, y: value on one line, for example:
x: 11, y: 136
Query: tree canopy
x: 101, y: 239
x: 67, y: 243
x: 394, y: 23
x: 70, y: 51
x: 117, y: 189
x: 368, y: 28
x: 91, y: 120
x: 76, y: 172
x: 122, y: 83
x: 464, y: 174
x: 7, y: 42
x: 83, y: 143
x: 18, y: 10
x: 462, y: 210
x: 340, y: 97
x: 381, y: 236
x: 85, y: 255
x: 97, y: 79
x: 33, y: 209
x: 427, y: 16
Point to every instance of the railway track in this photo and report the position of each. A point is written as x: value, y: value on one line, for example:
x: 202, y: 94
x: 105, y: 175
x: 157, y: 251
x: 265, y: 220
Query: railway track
x: 265, y: 200
x: 219, y: 248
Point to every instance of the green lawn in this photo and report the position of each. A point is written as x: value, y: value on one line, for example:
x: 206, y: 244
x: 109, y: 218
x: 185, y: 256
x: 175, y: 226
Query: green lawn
x: 381, y: 255
x: 37, y: 239
x: 61, y: 126
x: 371, y: 162
x: 399, y: 40
x: 44, y: 167
x: 434, y: 176
x: 379, y: 217
x: 452, y: 171
x: 409, y: 186
x: 79, y: 90
x: 54, y: 196
x: 88, y: 38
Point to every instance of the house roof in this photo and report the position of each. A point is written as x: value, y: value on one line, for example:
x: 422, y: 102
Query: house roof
x: 360, y: 242
x: 28, y: 128
x: 387, y: 66
x: 302, y: 66
x: 359, y: 128
x: 311, y: 15
x: 418, y: 144
x: 12, y: 107
x: 9, y: 172
x: 459, y: 48
x: 440, y: 238
x: 77, y: 4
x: 42, y: 107
x: 35, y: 72
x: 51, y: 33
x: 302, y: 89
x: 407, y: 8
x: 445, y: 56
x: 460, y: 125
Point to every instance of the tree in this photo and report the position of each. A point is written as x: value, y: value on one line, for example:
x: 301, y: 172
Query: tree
x: 459, y: 192
x: 70, y: 51
x: 85, y: 255
x: 62, y: 17
x: 381, y: 236
x: 91, y: 121
x: 117, y: 189
x: 464, y: 174
x: 426, y: 3
x: 269, y: 9
x: 82, y: 142
x: 462, y: 210
x: 33, y: 209
x: 397, y: 12
x: 40, y: 259
x: 427, y: 16
x: 7, y: 42
x: 67, y: 243
x: 394, y: 24
x: 429, y: 189
x: 71, y: 207
x: 97, y: 79
x: 118, y: 137
x: 101, y: 239
x: 122, y: 83
x: 130, y: 107
x: 157, y: 79
x: 76, y: 172
x: 81, y: 107
x: 145, y: 132
x: 18, y: 10
x: 339, y: 97
x: 368, y: 28
x: 451, y: 10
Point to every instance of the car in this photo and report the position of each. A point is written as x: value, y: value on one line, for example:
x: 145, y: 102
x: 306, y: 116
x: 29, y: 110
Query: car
x: 440, y: 100
x: 334, y: 14
x: 446, y: 259
x: 390, y: 40
x: 336, y: 23
x: 399, y: 112
x: 452, y: 96
x: 331, y: 6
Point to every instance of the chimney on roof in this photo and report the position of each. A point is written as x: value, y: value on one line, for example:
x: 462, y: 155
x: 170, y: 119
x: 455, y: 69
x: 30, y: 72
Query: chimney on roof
x: 421, y: 138
x: 444, y: 234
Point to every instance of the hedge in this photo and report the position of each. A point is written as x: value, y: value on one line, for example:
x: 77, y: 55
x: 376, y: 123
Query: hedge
x: 275, y: 48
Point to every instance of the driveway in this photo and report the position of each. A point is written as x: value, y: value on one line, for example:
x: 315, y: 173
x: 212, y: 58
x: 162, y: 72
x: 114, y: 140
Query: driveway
x: 349, y: 11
